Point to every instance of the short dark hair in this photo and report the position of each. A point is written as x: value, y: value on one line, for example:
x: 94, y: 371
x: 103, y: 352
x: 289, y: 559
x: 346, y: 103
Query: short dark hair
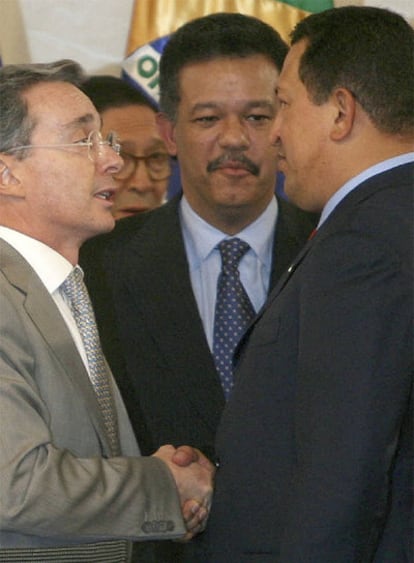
x: 369, y: 51
x: 210, y: 37
x: 111, y: 92
x: 16, y: 125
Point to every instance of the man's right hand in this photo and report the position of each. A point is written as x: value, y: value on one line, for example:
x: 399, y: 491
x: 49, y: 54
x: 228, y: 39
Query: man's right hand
x: 193, y: 474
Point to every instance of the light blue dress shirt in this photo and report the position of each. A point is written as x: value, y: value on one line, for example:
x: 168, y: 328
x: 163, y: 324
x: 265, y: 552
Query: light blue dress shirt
x: 201, y: 240
x: 357, y: 180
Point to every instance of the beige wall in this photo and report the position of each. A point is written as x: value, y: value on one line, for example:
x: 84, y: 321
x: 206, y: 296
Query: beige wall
x: 93, y: 32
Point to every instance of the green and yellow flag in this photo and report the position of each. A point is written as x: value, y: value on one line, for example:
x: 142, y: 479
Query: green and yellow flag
x: 153, y: 21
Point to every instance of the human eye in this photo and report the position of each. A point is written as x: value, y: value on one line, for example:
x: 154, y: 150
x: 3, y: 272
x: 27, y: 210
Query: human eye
x: 206, y: 120
x: 281, y: 97
x: 82, y: 141
x: 281, y: 101
x: 126, y: 157
x: 258, y: 117
x: 158, y: 158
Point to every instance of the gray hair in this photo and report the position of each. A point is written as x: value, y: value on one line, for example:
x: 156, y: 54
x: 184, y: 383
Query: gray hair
x: 16, y: 125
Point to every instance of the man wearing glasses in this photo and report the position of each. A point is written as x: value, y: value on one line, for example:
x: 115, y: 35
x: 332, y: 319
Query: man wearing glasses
x: 143, y: 180
x: 72, y: 483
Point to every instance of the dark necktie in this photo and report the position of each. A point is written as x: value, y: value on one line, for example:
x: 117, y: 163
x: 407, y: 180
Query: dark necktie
x: 234, y: 310
x: 83, y: 314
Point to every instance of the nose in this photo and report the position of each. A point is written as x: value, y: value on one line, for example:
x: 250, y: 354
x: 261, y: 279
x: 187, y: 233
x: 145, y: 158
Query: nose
x: 108, y: 161
x: 234, y: 133
x: 140, y: 180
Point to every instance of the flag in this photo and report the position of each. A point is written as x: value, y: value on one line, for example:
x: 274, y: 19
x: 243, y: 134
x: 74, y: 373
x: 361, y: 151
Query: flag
x: 311, y: 5
x: 153, y: 21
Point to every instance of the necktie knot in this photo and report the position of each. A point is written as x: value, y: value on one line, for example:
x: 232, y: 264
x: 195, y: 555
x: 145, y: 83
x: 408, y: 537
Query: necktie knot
x: 74, y: 288
x: 232, y: 250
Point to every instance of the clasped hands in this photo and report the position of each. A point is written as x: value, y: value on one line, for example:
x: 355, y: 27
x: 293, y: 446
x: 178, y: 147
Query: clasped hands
x: 193, y: 474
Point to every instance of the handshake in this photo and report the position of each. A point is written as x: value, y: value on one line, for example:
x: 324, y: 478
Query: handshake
x: 193, y: 474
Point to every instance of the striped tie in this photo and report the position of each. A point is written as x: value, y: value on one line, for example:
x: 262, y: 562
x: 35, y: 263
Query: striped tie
x: 77, y: 294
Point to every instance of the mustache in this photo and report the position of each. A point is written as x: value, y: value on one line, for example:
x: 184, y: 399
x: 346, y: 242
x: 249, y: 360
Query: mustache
x: 233, y: 157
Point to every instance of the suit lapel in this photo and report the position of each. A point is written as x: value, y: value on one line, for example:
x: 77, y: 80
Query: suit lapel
x: 160, y: 247
x: 287, y: 274
x: 346, y: 207
x: 45, y: 315
x: 352, y: 200
x: 280, y: 284
x: 166, y: 290
x: 292, y: 229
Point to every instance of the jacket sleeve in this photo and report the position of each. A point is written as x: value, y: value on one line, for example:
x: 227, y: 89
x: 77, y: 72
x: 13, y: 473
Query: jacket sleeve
x: 54, y: 479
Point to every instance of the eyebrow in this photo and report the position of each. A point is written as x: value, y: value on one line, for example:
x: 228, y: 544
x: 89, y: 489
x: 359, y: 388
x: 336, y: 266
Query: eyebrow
x: 153, y: 145
x: 81, y: 120
x: 260, y: 104
x: 216, y: 105
x: 205, y: 105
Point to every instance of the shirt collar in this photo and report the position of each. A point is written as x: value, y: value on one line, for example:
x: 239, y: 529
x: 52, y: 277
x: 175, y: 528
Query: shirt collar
x: 357, y: 180
x: 51, y: 267
x: 201, y: 238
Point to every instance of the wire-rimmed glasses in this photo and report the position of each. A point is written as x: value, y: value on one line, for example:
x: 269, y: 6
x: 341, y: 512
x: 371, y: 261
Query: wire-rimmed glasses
x: 158, y: 165
x: 94, y: 142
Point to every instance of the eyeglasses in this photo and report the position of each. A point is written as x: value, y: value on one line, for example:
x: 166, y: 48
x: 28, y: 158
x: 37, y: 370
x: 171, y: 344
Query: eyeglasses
x: 157, y: 165
x: 94, y: 142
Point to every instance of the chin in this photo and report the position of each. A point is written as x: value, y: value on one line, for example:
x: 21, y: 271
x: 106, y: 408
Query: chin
x: 291, y: 190
x: 232, y: 196
x: 302, y: 198
x: 101, y: 227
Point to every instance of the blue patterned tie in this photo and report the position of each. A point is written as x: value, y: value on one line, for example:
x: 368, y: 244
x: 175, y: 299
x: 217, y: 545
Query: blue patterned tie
x: 83, y: 314
x: 234, y: 310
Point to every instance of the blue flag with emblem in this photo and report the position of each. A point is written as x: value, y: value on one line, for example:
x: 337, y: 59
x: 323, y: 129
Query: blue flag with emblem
x: 153, y: 22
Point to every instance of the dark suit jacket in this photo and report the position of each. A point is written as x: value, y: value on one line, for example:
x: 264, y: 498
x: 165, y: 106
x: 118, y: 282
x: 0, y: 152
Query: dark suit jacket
x: 170, y: 385
x: 165, y: 369
x: 316, y: 442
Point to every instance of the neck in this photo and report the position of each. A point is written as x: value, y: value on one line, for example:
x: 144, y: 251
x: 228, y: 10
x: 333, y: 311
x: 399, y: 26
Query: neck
x: 230, y: 219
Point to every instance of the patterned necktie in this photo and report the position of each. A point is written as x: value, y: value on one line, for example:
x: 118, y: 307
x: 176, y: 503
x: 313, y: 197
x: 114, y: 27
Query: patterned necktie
x: 234, y: 310
x: 83, y: 314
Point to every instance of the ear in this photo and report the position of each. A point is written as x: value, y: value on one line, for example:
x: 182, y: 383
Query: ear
x: 344, y: 104
x: 9, y: 184
x: 166, y: 128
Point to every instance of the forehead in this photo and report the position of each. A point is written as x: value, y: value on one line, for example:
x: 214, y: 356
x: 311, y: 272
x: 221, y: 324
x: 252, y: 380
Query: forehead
x: 251, y: 74
x: 290, y: 71
x: 135, y: 125
x: 60, y: 105
x: 134, y: 119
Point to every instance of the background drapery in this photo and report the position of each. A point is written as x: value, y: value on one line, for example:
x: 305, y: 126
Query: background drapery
x: 95, y: 32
